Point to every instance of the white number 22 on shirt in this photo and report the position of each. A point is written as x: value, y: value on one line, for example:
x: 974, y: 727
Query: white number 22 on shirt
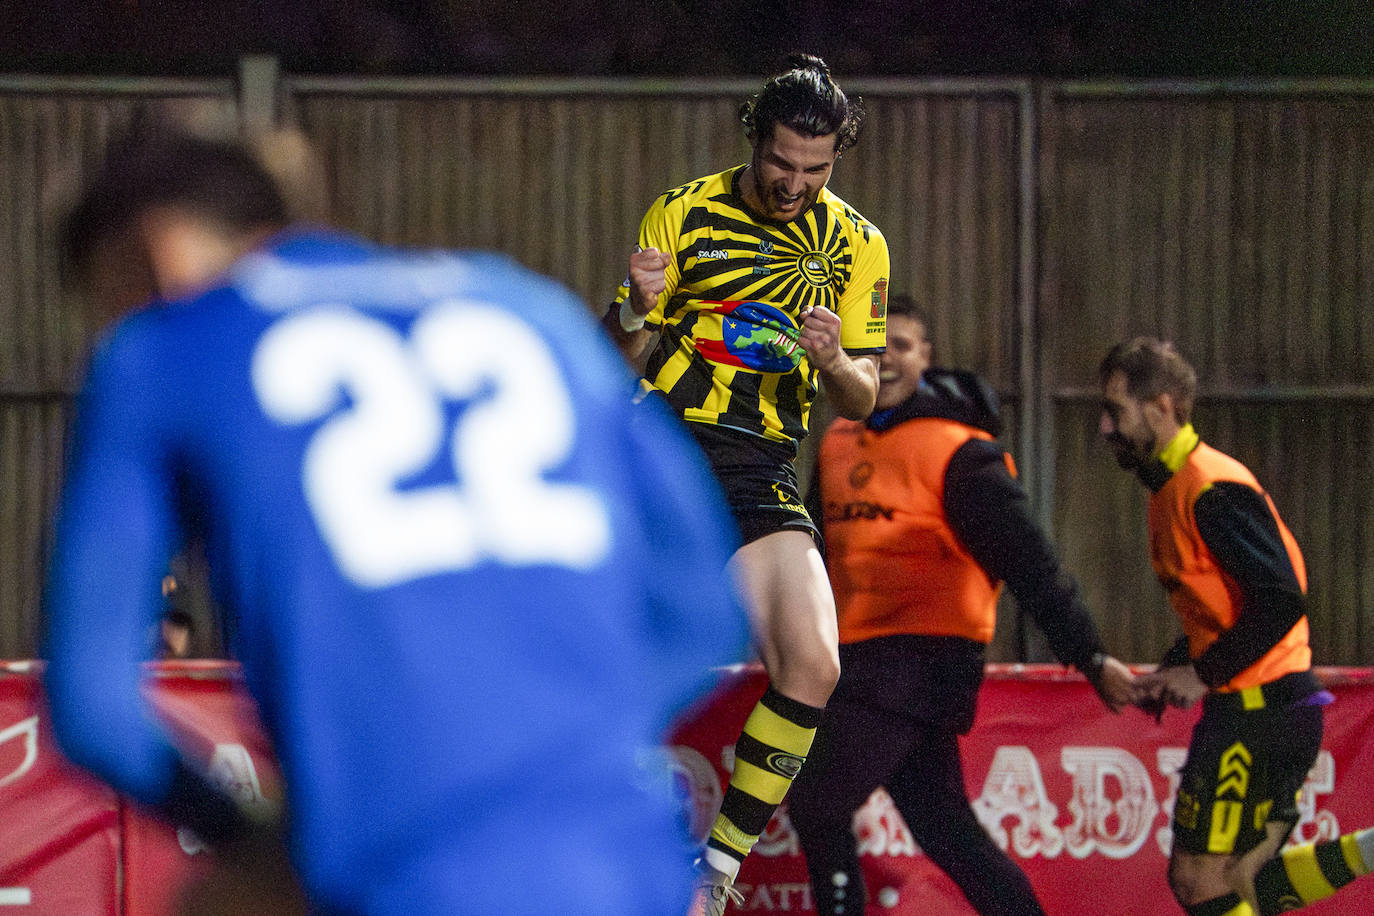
x: 514, y: 422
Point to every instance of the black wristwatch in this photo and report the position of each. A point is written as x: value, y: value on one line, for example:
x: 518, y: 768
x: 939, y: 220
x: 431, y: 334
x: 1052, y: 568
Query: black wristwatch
x: 1094, y: 669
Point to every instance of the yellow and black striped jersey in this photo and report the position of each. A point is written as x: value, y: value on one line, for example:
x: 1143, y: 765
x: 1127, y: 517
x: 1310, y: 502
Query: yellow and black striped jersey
x: 729, y: 316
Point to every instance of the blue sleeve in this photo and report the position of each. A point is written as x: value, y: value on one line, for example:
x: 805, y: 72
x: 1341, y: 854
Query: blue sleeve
x: 114, y: 535
x: 694, y: 612
x: 693, y: 620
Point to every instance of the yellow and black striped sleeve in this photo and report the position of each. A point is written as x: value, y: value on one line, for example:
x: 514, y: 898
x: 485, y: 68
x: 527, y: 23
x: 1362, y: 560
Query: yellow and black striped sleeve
x: 661, y: 229
x: 863, y: 304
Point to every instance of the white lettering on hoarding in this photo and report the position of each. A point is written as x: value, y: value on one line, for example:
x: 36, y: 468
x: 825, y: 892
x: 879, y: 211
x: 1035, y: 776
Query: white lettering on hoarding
x: 1114, y: 823
x: 1015, y: 789
x: 880, y: 829
x: 1112, y: 803
x: 782, y: 897
x: 1316, y: 826
x: 1170, y: 761
x: 1113, y: 808
x: 27, y: 730
x: 779, y: 838
x: 690, y: 777
x: 15, y: 896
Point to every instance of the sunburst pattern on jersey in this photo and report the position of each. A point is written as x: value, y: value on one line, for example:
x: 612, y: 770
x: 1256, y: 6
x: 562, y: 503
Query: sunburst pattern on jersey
x: 792, y: 279
x: 728, y: 352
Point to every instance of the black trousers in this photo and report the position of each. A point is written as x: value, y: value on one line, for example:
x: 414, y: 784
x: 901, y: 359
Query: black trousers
x: 894, y: 721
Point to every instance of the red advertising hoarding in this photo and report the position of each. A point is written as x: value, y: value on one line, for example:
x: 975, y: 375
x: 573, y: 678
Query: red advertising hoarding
x: 1078, y: 796
x: 59, y: 829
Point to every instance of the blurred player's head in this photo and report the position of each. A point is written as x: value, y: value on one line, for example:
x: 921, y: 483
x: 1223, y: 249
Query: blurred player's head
x: 164, y: 215
x: 798, y: 125
x: 908, y: 352
x: 1147, y: 395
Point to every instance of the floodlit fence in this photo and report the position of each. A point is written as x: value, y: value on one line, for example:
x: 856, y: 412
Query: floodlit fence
x: 1039, y: 222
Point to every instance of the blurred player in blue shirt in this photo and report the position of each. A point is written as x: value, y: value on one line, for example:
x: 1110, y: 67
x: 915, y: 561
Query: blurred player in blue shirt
x: 451, y: 560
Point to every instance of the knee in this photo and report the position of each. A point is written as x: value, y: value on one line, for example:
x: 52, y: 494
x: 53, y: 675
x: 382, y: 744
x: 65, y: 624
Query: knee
x: 822, y: 671
x: 1181, y: 883
x: 1197, y: 879
x: 825, y: 669
x: 805, y: 673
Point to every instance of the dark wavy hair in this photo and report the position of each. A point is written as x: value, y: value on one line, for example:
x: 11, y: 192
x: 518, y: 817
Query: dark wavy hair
x: 804, y: 98
x: 1152, y: 367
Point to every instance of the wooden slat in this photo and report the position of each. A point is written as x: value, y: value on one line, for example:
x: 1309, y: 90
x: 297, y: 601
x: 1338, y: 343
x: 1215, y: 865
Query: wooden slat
x: 1236, y: 218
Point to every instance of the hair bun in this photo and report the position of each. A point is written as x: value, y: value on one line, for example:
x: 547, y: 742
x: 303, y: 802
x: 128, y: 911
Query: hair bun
x: 800, y: 61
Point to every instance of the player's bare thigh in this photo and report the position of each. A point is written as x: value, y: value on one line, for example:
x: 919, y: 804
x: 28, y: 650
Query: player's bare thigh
x: 792, y: 612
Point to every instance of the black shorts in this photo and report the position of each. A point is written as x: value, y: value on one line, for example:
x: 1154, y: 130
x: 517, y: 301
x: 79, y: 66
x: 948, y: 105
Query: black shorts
x: 1245, y: 768
x: 759, y: 480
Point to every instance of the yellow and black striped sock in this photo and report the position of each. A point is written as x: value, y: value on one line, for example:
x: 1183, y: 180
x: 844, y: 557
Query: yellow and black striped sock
x: 1314, y: 871
x: 1229, y: 905
x: 768, y: 755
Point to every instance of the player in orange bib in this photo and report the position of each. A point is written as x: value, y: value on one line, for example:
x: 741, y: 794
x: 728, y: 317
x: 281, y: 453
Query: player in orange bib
x: 1236, y: 579
x: 924, y: 520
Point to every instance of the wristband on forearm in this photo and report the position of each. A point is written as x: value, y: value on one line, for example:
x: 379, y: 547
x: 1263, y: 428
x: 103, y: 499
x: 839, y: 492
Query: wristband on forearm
x: 630, y: 320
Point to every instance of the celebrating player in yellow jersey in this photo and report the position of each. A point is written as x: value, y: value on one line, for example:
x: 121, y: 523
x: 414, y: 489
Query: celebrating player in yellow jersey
x: 748, y: 291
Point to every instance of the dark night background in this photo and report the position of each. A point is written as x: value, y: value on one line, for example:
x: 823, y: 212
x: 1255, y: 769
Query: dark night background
x: 1128, y: 38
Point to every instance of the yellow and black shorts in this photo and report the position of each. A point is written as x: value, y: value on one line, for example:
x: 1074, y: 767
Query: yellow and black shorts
x: 759, y: 479
x: 1248, y: 759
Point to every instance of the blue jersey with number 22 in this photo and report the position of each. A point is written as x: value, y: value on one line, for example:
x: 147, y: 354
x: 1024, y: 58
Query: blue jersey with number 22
x: 463, y: 573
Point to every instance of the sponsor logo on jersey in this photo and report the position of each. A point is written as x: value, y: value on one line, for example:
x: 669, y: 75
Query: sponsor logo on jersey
x: 713, y: 254
x: 878, y: 307
x: 860, y: 510
x: 786, y: 501
x: 692, y: 188
x: 861, y: 474
x: 816, y: 268
x: 754, y: 335
x: 1233, y: 772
